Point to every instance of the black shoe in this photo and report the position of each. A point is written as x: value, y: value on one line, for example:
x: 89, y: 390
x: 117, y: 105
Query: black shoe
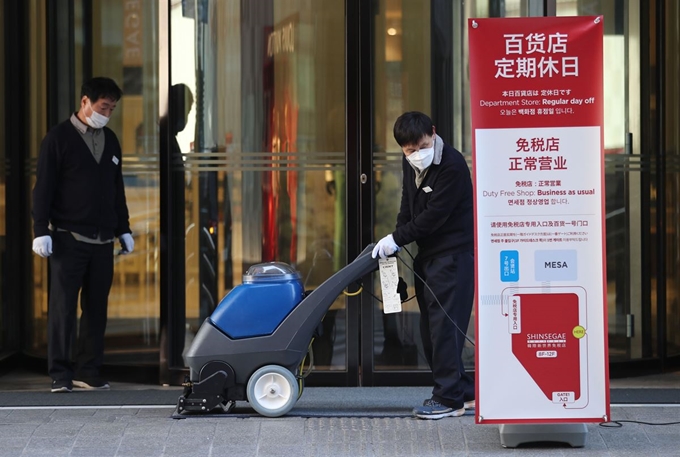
x: 91, y: 383
x: 59, y: 386
x: 470, y: 403
x: 432, y: 409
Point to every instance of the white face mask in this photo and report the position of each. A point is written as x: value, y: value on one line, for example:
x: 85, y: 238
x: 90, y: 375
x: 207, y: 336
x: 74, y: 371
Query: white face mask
x: 422, y: 158
x: 96, y: 120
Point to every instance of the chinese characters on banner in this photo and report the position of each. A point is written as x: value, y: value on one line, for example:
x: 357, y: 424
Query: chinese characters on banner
x: 537, y: 119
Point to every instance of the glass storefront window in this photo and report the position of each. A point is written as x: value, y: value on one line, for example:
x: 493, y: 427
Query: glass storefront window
x: 124, y: 47
x: 621, y: 63
x: 259, y: 91
x: 402, y: 75
x: 3, y: 231
x: 672, y: 147
x: 37, y: 127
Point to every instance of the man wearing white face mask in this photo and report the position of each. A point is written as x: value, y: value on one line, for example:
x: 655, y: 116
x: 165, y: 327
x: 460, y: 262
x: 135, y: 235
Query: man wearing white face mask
x: 437, y: 213
x: 79, y: 208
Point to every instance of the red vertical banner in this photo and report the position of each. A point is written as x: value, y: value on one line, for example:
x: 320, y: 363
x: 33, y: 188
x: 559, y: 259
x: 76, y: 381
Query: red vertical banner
x: 541, y: 309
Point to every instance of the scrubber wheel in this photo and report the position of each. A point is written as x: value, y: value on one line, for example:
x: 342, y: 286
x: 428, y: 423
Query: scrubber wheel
x: 272, y: 391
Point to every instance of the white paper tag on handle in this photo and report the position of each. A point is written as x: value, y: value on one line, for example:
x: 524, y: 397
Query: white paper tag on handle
x: 389, y: 280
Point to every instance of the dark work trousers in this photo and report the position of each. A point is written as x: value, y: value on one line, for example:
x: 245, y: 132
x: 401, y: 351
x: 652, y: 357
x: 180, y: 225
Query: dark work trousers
x: 452, y: 279
x: 76, y: 266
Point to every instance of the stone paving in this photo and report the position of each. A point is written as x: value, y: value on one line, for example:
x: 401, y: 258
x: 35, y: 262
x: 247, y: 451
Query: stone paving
x: 145, y: 432
x: 150, y: 431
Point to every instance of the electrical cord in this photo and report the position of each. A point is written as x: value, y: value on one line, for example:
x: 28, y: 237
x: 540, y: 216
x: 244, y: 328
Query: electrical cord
x: 354, y: 294
x: 432, y: 292
x: 619, y: 424
x: 421, y: 354
x: 310, y: 352
x: 375, y: 297
x: 360, y: 289
x: 380, y: 300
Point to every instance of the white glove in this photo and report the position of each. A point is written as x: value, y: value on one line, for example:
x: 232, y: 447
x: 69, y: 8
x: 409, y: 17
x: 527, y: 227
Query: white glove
x: 42, y: 245
x: 127, y: 243
x: 385, y: 247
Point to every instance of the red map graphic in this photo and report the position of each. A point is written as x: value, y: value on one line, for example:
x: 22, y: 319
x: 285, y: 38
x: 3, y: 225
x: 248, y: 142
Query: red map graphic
x: 547, y: 324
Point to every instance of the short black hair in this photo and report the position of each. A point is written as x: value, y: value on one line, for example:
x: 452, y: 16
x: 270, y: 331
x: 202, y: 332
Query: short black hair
x: 411, y: 126
x: 101, y: 87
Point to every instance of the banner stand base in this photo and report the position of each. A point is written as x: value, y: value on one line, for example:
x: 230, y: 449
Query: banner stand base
x: 512, y: 435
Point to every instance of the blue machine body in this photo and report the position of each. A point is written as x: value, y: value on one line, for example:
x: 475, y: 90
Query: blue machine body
x: 270, y: 291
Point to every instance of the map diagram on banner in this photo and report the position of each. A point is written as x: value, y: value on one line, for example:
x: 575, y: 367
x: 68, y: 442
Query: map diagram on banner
x: 549, y: 340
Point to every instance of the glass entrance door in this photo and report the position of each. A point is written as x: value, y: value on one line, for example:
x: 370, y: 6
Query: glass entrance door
x: 624, y: 167
x: 402, y: 75
x: 3, y: 231
x: 256, y: 124
x: 420, y: 62
x: 119, y: 40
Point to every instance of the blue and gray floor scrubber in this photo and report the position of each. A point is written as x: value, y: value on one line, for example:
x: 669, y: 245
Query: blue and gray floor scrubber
x: 254, y: 345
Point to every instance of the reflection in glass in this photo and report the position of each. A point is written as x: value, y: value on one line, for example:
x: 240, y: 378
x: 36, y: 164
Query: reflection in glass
x: 37, y: 126
x: 619, y: 195
x: 3, y: 231
x: 124, y: 47
x: 402, y: 83
x: 125, y: 37
x: 672, y: 148
x: 262, y: 156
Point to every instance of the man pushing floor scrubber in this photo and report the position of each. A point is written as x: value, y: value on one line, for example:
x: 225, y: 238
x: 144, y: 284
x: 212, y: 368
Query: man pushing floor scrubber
x: 254, y: 345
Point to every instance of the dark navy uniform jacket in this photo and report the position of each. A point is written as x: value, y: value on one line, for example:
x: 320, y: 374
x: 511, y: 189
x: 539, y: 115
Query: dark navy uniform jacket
x: 437, y: 215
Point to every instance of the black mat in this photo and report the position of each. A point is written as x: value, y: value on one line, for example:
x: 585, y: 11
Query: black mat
x: 341, y: 402
x: 81, y: 397
x: 644, y: 396
x: 242, y: 410
x: 316, y: 401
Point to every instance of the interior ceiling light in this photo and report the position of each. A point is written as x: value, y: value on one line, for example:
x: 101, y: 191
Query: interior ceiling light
x: 391, y: 31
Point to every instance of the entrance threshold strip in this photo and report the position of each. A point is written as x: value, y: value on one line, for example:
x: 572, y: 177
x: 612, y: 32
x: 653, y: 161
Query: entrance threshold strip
x: 26, y: 408
x: 90, y: 407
